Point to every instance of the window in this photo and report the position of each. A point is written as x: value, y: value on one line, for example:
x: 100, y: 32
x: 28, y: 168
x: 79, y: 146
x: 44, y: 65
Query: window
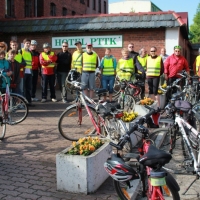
x: 82, y: 1
x: 40, y: 8
x: 64, y: 11
x: 52, y: 9
x: 105, y: 7
x: 10, y: 9
x: 73, y: 13
x: 94, y: 4
x: 27, y: 8
x: 99, y: 6
x: 88, y: 3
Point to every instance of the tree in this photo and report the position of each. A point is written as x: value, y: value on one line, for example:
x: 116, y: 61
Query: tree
x: 194, y: 34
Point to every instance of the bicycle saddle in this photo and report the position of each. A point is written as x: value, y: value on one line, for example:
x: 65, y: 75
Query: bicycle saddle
x: 183, y: 105
x: 155, y: 157
x: 100, y: 91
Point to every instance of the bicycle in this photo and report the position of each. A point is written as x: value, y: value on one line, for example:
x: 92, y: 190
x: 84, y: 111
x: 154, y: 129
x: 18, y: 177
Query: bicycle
x: 88, y: 118
x: 13, y: 108
x: 156, y: 182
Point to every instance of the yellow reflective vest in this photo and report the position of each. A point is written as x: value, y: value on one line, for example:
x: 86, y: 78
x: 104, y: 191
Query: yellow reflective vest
x: 127, y: 65
x: 77, y: 61
x: 46, y: 57
x: 89, y: 62
x: 153, y: 66
x: 27, y: 58
x: 108, y: 68
x: 143, y: 62
x: 198, y: 65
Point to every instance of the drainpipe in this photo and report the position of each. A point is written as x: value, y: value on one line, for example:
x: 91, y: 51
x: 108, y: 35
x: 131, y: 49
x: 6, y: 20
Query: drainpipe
x: 35, y: 8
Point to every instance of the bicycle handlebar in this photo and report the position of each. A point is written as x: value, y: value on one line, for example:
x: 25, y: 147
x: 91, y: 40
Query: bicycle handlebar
x: 138, y: 125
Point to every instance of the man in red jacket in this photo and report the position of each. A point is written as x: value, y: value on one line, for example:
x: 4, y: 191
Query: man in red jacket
x: 47, y: 61
x: 175, y: 64
x: 36, y: 68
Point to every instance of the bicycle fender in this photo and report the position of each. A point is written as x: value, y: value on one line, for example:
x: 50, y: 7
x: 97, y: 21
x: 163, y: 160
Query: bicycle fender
x: 171, y: 181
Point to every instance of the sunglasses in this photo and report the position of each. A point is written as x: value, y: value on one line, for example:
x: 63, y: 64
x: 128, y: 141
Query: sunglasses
x: 131, y: 47
x: 2, y: 46
x: 65, y: 46
x: 177, y: 51
x: 153, y: 51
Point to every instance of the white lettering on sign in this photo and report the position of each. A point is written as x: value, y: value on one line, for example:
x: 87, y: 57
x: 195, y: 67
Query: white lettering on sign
x: 96, y: 41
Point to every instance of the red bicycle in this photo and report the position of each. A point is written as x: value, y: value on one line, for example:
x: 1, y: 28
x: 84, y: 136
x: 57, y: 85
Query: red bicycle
x: 157, y: 184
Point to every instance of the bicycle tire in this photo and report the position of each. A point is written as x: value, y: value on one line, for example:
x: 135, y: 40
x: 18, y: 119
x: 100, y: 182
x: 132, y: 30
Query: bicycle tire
x: 97, y: 82
x: 127, y: 102
x: 121, y: 189
x: 68, y: 127
x: 17, y: 109
x: 116, y: 88
x: 3, y: 130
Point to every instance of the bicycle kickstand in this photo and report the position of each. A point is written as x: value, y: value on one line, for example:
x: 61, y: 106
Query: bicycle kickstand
x: 197, y: 177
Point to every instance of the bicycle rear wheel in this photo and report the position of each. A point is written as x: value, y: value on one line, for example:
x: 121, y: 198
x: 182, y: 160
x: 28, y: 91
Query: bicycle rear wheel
x: 124, y: 192
x: 68, y: 124
x: 17, y: 109
x: 127, y: 102
x: 97, y: 82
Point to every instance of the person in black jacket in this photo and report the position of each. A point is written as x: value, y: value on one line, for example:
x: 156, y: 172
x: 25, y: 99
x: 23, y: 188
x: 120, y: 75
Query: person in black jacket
x: 63, y: 67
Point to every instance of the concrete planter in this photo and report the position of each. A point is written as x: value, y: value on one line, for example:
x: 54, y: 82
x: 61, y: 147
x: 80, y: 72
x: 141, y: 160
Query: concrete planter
x: 82, y: 174
x: 141, y: 110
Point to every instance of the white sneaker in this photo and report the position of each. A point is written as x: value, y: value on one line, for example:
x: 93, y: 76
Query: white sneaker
x: 64, y: 101
x: 43, y: 100
x: 34, y: 99
x: 54, y: 100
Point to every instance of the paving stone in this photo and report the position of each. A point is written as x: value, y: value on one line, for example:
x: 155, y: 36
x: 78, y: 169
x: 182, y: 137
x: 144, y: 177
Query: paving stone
x: 29, y: 196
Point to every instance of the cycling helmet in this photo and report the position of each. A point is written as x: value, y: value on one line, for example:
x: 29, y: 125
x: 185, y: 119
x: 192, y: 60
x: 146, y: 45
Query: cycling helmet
x: 119, y: 170
x: 73, y: 75
x: 33, y: 42
x: 46, y: 45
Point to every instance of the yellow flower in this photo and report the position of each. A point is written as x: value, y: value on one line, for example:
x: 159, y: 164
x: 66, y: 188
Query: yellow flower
x: 91, y: 148
x: 73, y: 144
x: 81, y: 152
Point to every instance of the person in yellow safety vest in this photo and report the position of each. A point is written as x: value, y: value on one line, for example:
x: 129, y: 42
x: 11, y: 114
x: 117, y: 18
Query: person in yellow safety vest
x: 89, y: 65
x: 196, y: 65
x: 19, y: 59
x: 155, y: 69
x: 27, y: 80
x: 108, y: 72
x: 77, y: 57
x: 48, y: 62
x: 142, y: 58
x: 126, y: 66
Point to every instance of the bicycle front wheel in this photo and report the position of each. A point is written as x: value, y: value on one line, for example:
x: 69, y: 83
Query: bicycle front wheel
x: 17, y: 109
x: 73, y: 125
x: 2, y: 129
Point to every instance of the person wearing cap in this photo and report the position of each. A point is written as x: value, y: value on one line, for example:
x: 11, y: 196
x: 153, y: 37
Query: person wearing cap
x: 27, y: 79
x: 175, y: 64
x: 64, y: 60
x: 47, y: 61
x: 36, y: 68
x: 89, y: 65
x: 77, y: 57
x: 196, y: 65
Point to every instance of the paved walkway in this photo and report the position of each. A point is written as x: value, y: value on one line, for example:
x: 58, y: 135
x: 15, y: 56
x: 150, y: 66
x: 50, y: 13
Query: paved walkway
x: 27, y: 160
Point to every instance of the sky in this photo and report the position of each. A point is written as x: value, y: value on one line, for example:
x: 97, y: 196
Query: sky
x: 189, y: 6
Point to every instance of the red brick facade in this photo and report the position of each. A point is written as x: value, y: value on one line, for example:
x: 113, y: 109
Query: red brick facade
x: 44, y: 9
x: 140, y: 37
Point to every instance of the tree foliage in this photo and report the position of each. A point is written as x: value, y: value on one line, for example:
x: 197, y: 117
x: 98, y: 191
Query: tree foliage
x: 194, y: 34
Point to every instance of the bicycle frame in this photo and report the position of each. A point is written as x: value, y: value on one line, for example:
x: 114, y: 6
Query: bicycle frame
x: 181, y: 123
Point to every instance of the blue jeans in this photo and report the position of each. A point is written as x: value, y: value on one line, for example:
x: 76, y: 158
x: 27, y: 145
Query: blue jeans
x: 61, y: 82
x: 108, y: 82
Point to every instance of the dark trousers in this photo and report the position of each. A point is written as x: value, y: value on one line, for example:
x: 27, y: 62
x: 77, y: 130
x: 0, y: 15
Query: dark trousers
x: 34, y: 83
x: 153, y: 85
x: 61, y: 76
x: 48, y: 80
x: 27, y: 86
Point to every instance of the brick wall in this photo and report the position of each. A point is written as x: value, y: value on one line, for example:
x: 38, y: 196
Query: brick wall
x: 140, y: 37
